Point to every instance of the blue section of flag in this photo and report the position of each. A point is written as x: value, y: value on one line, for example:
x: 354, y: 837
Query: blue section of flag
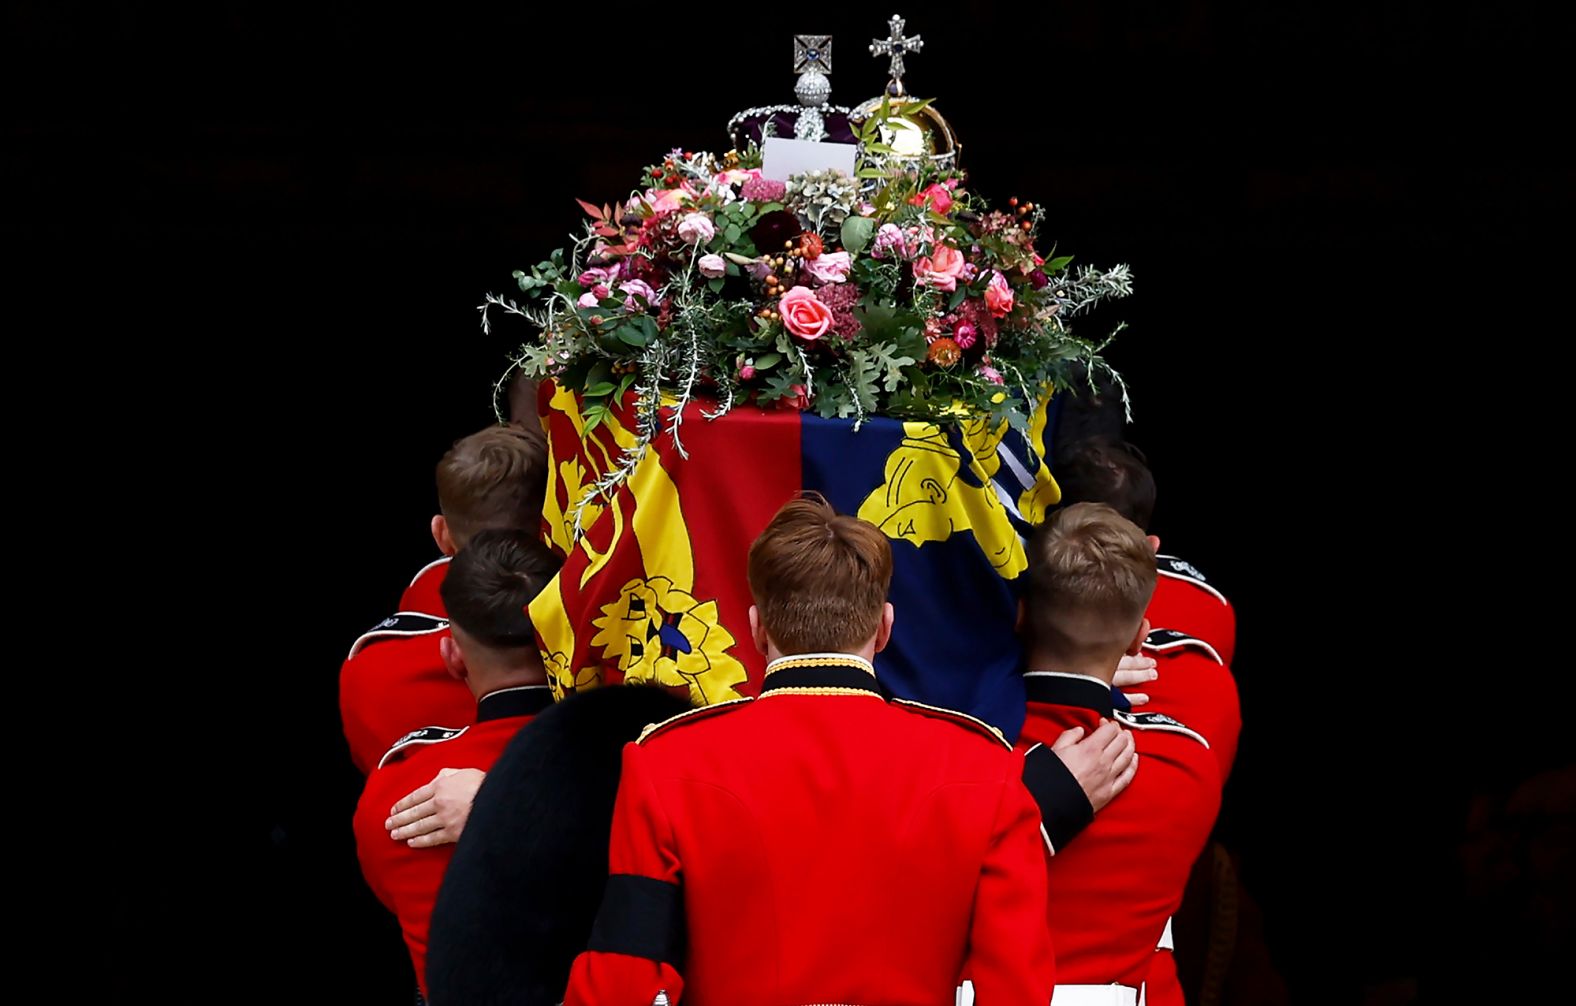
x: 954, y: 642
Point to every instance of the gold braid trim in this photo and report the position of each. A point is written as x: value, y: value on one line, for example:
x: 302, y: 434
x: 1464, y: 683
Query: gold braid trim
x: 820, y: 691
x: 652, y: 728
x: 784, y: 663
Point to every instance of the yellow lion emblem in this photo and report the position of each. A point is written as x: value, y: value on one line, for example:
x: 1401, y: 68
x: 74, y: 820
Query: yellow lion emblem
x: 655, y: 631
x: 925, y: 497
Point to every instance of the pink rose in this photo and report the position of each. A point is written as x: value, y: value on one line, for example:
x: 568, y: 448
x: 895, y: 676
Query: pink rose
x: 803, y: 315
x: 637, y: 288
x: 712, y: 266
x: 940, y: 198
x: 998, y: 295
x: 940, y: 270
x: 889, y: 241
x: 601, y: 290
x: 829, y: 267
x: 798, y: 398
x: 696, y: 228
x: 964, y: 335
x: 588, y: 299
x: 591, y: 277
x: 746, y: 372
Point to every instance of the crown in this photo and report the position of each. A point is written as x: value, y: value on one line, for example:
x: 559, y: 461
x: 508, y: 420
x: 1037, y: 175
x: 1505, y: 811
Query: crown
x: 910, y: 127
x: 811, y: 118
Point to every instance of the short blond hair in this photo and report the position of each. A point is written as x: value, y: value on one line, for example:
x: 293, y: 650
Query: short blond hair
x: 819, y: 578
x: 493, y: 479
x: 1091, y: 575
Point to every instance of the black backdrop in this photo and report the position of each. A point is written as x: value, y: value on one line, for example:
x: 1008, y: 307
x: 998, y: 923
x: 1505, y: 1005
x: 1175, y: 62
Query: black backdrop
x: 280, y: 218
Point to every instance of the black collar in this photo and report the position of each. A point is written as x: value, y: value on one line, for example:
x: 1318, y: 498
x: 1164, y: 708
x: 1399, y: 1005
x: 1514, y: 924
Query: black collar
x: 524, y: 700
x: 829, y: 673
x: 1056, y: 688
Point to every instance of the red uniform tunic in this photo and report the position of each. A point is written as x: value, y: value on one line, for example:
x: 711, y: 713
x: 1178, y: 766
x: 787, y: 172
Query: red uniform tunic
x: 1112, y: 891
x: 1196, y: 687
x: 820, y: 845
x: 406, y: 880
x: 1184, y: 600
x: 422, y: 595
x: 394, y: 682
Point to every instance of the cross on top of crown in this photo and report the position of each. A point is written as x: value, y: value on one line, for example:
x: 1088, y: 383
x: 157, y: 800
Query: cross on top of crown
x: 812, y: 52
x: 895, y: 47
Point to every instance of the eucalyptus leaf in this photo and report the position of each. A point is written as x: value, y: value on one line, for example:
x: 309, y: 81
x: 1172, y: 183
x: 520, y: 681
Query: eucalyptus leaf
x: 856, y: 234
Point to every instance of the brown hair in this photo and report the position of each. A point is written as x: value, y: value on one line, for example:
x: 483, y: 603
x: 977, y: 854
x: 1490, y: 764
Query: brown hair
x: 1091, y: 574
x: 493, y: 479
x: 819, y: 578
x: 491, y: 580
x: 1109, y: 471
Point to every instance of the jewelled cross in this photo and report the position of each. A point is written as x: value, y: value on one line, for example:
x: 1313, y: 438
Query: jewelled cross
x: 895, y: 46
x: 812, y: 52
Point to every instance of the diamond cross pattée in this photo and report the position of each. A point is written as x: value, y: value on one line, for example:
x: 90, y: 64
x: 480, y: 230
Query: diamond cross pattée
x: 895, y: 47
x: 812, y: 52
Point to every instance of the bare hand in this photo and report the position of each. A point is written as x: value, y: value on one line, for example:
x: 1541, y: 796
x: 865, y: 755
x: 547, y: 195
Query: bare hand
x: 435, y: 814
x: 1132, y: 672
x: 1104, y: 763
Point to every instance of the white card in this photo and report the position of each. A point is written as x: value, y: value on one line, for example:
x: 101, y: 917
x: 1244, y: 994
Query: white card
x: 782, y: 158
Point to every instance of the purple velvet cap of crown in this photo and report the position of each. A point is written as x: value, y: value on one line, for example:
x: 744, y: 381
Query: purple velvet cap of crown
x: 749, y: 128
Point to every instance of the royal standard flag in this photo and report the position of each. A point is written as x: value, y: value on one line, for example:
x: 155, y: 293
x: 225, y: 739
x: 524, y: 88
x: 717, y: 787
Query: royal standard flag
x: 653, y: 587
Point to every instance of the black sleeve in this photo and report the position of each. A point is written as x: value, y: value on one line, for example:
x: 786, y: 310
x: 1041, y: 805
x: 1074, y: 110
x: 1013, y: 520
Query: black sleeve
x: 1064, y: 809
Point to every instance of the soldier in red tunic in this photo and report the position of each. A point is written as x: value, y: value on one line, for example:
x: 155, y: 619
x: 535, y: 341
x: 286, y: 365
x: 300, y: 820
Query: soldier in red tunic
x: 1090, y: 578
x: 1117, y: 474
x: 820, y: 844
x: 491, y: 650
x: 494, y: 478
x: 394, y: 679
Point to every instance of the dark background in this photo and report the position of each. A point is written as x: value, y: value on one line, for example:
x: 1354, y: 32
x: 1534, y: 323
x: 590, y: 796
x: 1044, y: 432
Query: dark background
x: 275, y: 220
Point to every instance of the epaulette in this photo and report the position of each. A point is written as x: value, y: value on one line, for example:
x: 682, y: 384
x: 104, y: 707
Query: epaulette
x: 961, y: 719
x: 397, y: 625
x: 417, y: 738
x: 1167, y: 640
x: 1181, y: 569
x: 689, y: 716
x: 1158, y: 721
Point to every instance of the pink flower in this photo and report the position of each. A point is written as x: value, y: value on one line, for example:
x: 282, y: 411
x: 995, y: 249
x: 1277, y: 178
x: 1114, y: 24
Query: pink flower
x: 829, y: 267
x: 798, y: 398
x: 588, y: 299
x: 964, y: 335
x: 696, y: 228
x: 991, y: 374
x: 736, y: 175
x: 998, y: 295
x: 591, y: 277
x: 970, y: 270
x: 712, y: 266
x: 763, y: 190
x: 940, y: 270
x: 668, y: 200
x: 889, y: 241
x: 940, y: 198
x: 803, y: 315
x: 637, y: 288
x: 600, y: 290
x: 746, y: 372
